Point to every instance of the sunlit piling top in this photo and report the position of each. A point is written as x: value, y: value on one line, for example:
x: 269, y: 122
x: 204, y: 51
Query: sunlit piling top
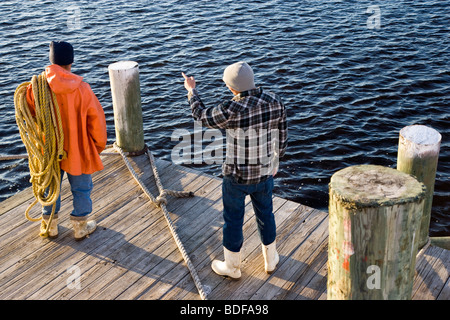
x: 421, y: 135
x: 420, y: 141
x: 123, y: 65
x: 369, y: 185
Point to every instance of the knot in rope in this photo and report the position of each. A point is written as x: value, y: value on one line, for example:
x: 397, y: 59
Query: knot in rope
x: 161, y: 202
x: 161, y: 199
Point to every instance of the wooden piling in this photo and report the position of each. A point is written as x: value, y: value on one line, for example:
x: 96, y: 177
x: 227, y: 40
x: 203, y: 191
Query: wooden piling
x: 418, y: 154
x: 126, y: 98
x: 374, y: 219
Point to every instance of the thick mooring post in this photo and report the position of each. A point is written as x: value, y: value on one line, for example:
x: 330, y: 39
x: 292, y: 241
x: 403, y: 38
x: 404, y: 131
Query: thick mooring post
x: 374, y: 219
x: 126, y: 97
x: 418, y: 154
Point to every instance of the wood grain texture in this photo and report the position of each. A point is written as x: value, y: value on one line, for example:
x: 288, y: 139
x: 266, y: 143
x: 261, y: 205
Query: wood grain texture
x: 133, y: 256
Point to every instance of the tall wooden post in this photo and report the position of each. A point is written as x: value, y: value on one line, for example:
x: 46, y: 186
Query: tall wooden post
x: 374, y: 218
x: 126, y: 97
x: 418, y: 155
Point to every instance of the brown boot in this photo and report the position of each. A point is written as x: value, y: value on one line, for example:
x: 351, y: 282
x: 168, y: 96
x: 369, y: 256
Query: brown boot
x: 82, y: 227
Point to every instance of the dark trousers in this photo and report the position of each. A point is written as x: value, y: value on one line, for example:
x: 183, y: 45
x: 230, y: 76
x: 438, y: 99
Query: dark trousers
x: 233, y: 197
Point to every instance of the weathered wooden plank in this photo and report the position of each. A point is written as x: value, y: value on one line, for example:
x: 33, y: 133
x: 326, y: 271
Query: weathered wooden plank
x: 199, y: 181
x: 249, y: 252
x: 143, y: 286
x: 112, y: 255
x: 288, y: 243
x: 133, y: 256
x: 210, y: 244
x: 35, y: 245
x: 301, y: 252
x: 433, y: 271
x: 317, y: 275
x: 134, y: 265
x: 445, y: 292
x: 61, y: 256
x: 107, y: 277
x: 13, y: 222
x: 25, y: 197
x: 13, y: 202
x: 36, y: 251
x: 100, y: 194
x: 137, y: 214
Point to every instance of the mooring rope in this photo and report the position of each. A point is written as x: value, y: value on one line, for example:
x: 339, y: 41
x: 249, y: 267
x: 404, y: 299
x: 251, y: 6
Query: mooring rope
x: 161, y: 202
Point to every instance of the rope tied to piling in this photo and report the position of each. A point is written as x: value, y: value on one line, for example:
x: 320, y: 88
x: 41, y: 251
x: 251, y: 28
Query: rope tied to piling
x: 161, y: 201
x: 43, y: 138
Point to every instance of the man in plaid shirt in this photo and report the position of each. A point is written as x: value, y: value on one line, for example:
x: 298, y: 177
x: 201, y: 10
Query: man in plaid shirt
x: 256, y: 126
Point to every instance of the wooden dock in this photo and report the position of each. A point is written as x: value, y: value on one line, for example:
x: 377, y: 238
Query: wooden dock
x: 132, y: 255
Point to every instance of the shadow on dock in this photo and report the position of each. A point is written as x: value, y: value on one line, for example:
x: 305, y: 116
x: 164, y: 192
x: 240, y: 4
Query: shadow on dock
x: 132, y: 255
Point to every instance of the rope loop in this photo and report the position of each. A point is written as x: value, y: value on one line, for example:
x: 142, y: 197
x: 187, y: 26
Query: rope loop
x: 42, y: 134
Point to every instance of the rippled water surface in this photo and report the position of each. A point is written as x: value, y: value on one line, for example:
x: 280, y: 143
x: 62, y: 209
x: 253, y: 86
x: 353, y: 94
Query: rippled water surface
x: 349, y: 88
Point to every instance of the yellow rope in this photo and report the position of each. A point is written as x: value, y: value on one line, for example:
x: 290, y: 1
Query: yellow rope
x: 43, y: 138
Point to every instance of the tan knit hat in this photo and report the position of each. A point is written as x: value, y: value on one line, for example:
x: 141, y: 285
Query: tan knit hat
x: 239, y: 76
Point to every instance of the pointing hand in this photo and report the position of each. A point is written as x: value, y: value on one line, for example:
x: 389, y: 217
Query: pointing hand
x: 189, y: 82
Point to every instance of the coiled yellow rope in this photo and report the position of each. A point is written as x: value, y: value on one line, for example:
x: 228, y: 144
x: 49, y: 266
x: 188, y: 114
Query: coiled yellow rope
x: 43, y: 138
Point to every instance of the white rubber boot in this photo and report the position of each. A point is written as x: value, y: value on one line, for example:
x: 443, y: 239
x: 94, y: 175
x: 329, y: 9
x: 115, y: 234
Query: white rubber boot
x: 230, y: 267
x: 53, y: 230
x: 271, y: 257
x: 82, y: 227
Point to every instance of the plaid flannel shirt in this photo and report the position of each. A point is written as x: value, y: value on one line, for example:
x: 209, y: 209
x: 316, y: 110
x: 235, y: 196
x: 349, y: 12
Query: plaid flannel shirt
x: 256, y: 130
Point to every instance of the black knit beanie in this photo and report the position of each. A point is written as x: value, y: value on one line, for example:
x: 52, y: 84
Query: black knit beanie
x: 61, y: 53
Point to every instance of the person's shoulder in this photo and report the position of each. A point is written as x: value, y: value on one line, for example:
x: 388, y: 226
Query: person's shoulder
x: 85, y: 86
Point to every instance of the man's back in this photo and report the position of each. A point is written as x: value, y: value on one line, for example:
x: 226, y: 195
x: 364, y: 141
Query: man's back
x: 82, y: 118
x: 255, y: 121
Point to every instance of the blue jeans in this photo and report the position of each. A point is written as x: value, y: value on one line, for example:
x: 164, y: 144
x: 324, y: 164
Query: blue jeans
x: 81, y: 187
x: 233, y: 197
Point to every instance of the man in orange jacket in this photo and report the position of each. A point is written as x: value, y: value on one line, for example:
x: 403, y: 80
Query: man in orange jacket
x: 84, y: 128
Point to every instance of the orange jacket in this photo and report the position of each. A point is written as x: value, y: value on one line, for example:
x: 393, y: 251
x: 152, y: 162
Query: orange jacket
x: 82, y: 118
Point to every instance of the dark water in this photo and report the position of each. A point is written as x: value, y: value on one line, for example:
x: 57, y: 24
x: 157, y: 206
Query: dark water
x: 349, y: 88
